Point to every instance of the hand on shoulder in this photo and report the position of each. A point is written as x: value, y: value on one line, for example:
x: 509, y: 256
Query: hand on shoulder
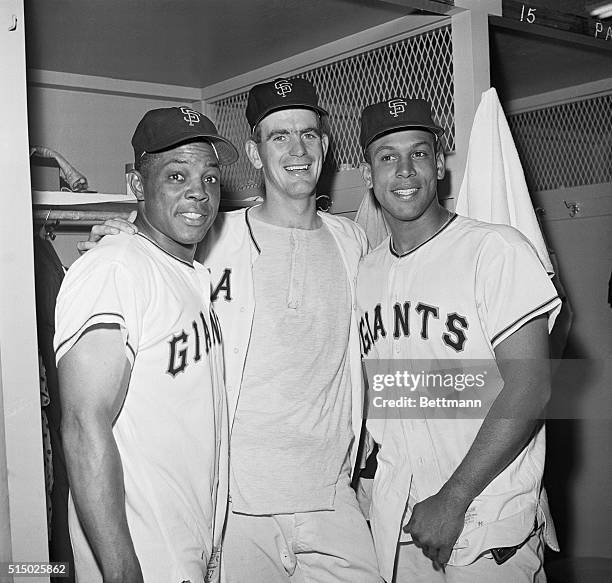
x: 109, y: 227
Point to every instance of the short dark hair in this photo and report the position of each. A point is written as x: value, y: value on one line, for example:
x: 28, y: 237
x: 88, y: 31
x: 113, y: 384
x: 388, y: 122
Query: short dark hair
x: 144, y: 163
x: 256, y: 134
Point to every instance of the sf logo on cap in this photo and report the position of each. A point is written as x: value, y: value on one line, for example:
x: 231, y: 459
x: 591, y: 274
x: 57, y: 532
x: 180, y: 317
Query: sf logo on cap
x: 190, y: 116
x: 282, y: 87
x: 396, y: 106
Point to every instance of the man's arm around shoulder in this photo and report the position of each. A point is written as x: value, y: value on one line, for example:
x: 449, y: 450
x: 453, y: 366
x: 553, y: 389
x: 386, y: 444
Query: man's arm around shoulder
x: 93, y: 377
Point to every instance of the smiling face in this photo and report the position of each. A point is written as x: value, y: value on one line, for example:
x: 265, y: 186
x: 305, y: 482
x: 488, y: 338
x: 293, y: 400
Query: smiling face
x: 291, y: 152
x: 179, y: 193
x: 403, y: 170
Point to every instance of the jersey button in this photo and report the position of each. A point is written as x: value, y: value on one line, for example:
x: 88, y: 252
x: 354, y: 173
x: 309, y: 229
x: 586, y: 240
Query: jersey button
x: 235, y: 351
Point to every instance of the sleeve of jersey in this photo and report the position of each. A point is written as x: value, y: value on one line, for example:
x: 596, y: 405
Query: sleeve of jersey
x: 513, y: 288
x: 97, y: 292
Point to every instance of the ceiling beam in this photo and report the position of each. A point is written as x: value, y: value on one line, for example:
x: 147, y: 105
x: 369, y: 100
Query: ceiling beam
x: 442, y: 7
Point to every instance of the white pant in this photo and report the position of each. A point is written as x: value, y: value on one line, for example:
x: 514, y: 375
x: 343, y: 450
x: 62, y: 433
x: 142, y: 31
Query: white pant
x: 326, y: 546
x: 526, y: 566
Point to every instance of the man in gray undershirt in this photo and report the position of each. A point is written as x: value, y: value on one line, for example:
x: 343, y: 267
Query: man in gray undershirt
x: 285, y: 298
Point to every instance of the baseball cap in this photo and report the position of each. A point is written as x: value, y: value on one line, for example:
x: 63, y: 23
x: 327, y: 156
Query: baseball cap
x: 163, y: 128
x: 281, y: 93
x: 395, y: 114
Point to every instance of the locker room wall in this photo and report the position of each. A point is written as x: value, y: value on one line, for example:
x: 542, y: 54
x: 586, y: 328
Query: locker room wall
x: 578, y: 469
x: 90, y: 120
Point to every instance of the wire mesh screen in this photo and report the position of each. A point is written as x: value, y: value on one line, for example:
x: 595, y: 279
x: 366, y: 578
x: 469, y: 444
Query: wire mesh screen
x: 565, y: 145
x: 416, y: 67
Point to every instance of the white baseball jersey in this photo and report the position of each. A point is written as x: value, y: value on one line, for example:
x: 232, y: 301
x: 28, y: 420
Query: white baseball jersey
x: 456, y: 296
x: 172, y: 429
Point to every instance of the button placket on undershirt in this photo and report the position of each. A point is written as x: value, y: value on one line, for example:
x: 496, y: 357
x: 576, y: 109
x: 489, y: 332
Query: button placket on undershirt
x: 297, y: 270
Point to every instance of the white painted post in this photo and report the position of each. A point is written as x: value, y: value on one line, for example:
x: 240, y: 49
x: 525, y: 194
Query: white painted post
x: 20, y: 391
x: 471, y: 67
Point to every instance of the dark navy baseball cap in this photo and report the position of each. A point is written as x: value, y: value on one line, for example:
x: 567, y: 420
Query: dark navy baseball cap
x: 399, y: 113
x: 281, y: 93
x: 163, y: 128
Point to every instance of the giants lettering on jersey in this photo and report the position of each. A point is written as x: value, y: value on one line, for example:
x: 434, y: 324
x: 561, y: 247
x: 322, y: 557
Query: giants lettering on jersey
x: 406, y: 318
x: 188, y: 346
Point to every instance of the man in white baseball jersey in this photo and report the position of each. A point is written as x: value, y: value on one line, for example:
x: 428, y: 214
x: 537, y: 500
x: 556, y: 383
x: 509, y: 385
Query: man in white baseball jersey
x: 141, y: 374
x: 454, y: 499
